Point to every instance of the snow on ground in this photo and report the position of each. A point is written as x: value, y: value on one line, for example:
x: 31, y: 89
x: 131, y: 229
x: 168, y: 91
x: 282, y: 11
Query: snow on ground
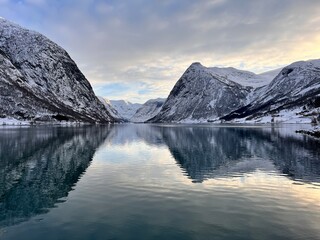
x: 12, y: 122
x: 193, y: 121
x: 284, y: 116
x: 296, y: 116
x: 16, y: 122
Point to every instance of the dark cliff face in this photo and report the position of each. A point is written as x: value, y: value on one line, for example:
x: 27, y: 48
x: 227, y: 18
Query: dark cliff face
x: 40, y: 81
x: 200, y: 94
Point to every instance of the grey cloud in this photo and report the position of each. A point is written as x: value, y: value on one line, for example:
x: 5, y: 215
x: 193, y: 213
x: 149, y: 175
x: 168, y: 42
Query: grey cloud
x: 117, y: 41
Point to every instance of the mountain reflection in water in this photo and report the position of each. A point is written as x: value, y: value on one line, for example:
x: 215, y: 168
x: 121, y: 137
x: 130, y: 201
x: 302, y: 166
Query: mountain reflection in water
x: 39, y: 166
x: 207, y: 151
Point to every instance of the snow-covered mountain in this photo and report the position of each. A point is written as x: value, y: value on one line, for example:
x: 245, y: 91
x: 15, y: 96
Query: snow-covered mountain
x: 40, y: 82
x: 133, y: 112
x: 296, y: 89
x: 148, y: 110
x: 124, y: 108
x: 207, y: 93
x: 210, y: 94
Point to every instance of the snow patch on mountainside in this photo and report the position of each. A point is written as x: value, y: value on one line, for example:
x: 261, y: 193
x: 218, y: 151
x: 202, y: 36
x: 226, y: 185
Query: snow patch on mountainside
x: 244, y: 78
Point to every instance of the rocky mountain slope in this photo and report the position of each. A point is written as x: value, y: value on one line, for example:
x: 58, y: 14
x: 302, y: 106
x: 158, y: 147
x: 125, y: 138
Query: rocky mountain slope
x: 40, y: 82
x: 206, y: 93
x: 148, y: 110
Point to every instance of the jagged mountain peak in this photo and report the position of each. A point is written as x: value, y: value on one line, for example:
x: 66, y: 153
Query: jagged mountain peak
x: 201, y: 94
x: 196, y: 64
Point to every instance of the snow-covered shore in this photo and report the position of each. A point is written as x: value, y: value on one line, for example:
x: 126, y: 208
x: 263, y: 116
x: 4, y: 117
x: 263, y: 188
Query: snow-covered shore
x: 13, y: 122
x: 16, y: 122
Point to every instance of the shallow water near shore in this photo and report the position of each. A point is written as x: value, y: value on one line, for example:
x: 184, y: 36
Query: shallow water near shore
x: 159, y: 182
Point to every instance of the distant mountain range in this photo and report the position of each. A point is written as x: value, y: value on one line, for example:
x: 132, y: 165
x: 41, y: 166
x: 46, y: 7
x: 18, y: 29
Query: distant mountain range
x: 39, y: 82
x: 133, y: 112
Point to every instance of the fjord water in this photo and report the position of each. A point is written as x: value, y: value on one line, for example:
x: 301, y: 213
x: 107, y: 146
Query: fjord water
x: 159, y: 182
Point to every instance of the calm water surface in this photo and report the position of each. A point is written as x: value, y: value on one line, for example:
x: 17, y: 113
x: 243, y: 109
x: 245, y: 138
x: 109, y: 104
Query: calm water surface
x: 159, y: 182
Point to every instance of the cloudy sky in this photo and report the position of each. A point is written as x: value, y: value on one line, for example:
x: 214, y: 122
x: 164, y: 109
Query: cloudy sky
x: 138, y: 49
